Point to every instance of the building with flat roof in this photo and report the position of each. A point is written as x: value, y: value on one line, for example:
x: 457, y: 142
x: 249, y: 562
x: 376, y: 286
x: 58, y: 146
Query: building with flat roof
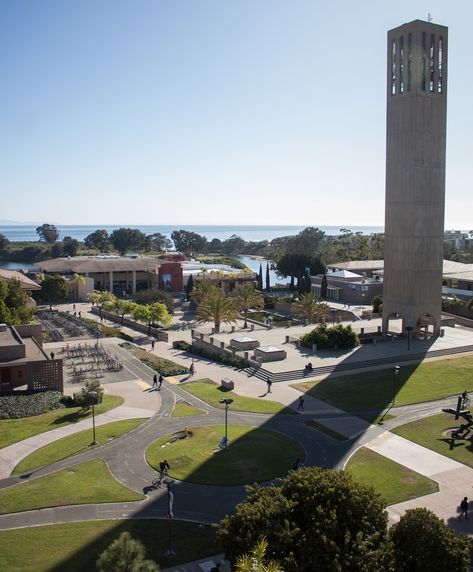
x: 24, y: 363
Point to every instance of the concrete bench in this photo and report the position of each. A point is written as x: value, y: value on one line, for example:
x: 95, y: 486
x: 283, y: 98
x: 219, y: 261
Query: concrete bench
x: 227, y: 383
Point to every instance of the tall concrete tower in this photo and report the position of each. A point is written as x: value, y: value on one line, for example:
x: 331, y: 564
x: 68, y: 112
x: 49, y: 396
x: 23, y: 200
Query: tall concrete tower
x: 415, y: 174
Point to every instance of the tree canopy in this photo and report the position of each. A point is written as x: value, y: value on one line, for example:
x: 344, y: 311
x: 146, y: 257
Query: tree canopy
x: 125, y: 239
x: 214, y: 307
x: 125, y: 554
x: 13, y: 304
x: 317, y: 520
x: 48, y: 233
x: 247, y: 298
x: 189, y: 243
x: 99, y: 239
x: 53, y: 288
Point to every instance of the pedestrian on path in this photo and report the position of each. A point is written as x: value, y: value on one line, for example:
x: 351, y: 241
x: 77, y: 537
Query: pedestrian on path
x: 464, y: 508
x: 161, y: 379
x: 191, y: 369
x: 152, y: 345
x: 269, y: 383
x: 155, y: 380
x: 300, y: 406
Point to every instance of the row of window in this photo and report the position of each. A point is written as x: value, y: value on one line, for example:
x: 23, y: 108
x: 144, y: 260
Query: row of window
x: 432, y: 57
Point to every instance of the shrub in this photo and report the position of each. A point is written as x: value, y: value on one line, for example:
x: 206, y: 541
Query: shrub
x: 339, y: 336
x: 145, y: 297
x: 26, y: 405
x: 377, y: 303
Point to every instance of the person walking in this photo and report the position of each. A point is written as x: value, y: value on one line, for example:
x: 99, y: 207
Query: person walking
x: 191, y: 369
x: 161, y: 379
x: 300, y: 406
x: 155, y: 380
x: 464, y: 508
x: 163, y: 468
x: 269, y: 383
x: 152, y: 345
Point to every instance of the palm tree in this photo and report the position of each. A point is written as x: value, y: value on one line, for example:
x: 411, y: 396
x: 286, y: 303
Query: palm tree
x: 217, y: 309
x: 254, y: 562
x: 202, y: 289
x: 309, y: 308
x: 246, y: 298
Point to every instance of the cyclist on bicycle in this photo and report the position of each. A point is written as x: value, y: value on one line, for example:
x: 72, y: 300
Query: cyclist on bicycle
x: 163, y: 468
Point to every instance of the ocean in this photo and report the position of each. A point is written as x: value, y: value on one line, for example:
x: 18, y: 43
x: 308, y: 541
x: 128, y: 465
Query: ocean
x: 23, y: 233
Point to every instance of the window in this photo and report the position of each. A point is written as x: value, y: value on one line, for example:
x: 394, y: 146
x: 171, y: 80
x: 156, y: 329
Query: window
x: 424, y: 63
x: 401, y: 64
x: 440, y: 65
x: 432, y: 63
x: 409, y: 61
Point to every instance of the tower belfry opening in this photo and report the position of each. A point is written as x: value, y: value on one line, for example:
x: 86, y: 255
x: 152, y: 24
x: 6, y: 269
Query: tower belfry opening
x: 415, y: 174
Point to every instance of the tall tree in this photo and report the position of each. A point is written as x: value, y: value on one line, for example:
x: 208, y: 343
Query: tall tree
x: 423, y: 542
x: 189, y: 243
x: 268, y: 280
x: 125, y: 239
x: 152, y: 314
x: 119, y: 307
x: 260, y: 278
x: 255, y: 561
x: 247, y: 298
x: 296, y: 265
x: 324, y: 287
x: 159, y: 242
x: 217, y: 309
x: 125, y: 554
x: 233, y: 245
x: 309, y: 308
x: 3, y: 241
x: 203, y: 289
x: 99, y: 239
x: 317, y: 520
x: 48, y: 233
x: 189, y: 286
x: 53, y: 288
x: 70, y: 246
x: 100, y: 299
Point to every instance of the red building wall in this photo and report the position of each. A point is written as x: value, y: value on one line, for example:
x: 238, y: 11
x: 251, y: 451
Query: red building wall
x: 170, y: 277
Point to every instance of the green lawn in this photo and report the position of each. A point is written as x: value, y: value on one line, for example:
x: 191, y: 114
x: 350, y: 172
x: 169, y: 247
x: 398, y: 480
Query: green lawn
x: 89, y: 482
x: 211, y: 393
x: 430, y: 432
x: 14, y: 430
x: 374, y: 389
x: 73, y: 444
x: 253, y: 455
x: 75, y: 546
x: 184, y: 409
x: 394, y: 482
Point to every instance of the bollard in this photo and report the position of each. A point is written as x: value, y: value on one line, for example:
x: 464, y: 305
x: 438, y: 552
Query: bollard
x: 233, y: 329
x: 252, y: 327
x: 287, y: 339
x: 222, y: 345
x: 362, y: 331
x: 211, y: 340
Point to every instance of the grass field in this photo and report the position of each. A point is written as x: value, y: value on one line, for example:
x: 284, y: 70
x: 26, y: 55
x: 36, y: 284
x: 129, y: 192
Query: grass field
x: 414, y: 384
x: 184, y: 409
x: 73, y: 444
x: 431, y: 432
x: 211, y: 393
x: 253, y: 455
x: 89, y: 482
x: 14, y: 430
x: 75, y: 546
x: 394, y: 482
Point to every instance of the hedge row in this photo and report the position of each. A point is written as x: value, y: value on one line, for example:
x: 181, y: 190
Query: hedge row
x: 19, y: 406
x: 341, y: 337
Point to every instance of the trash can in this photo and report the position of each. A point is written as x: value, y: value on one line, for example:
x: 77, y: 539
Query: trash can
x: 442, y: 332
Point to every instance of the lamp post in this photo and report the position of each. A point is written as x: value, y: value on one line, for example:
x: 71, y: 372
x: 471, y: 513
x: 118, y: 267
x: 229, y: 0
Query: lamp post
x: 93, y: 394
x: 395, y: 374
x: 227, y: 403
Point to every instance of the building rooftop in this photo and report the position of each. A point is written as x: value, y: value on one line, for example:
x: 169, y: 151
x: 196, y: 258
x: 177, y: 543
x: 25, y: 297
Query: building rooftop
x: 25, y: 282
x: 101, y: 263
x: 449, y: 266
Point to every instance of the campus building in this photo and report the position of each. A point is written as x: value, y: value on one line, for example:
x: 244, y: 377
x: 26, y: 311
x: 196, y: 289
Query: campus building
x: 23, y: 363
x: 415, y: 174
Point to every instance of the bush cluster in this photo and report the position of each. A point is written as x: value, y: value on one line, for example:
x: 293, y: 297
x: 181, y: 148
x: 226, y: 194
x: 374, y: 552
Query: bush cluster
x: 27, y: 405
x: 164, y: 366
x: 339, y: 336
x: 232, y: 361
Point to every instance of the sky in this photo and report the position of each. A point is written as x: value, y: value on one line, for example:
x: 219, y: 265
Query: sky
x: 212, y: 111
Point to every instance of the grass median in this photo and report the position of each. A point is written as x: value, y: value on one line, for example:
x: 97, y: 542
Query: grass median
x: 394, y: 482
x: 15, y: 430
x: 89, y: 482
x: 434, y: 433
x: 208, y: 391
x: 74, y: 444
x: 414, y: 384
x: 253, y: 455
x: 75, y: 546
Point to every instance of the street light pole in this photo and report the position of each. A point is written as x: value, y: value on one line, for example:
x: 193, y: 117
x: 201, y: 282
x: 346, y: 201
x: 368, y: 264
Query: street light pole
x: 409, y: 331
x: 93, y: 394
x: 395, y: 374
x: 227, y: 403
